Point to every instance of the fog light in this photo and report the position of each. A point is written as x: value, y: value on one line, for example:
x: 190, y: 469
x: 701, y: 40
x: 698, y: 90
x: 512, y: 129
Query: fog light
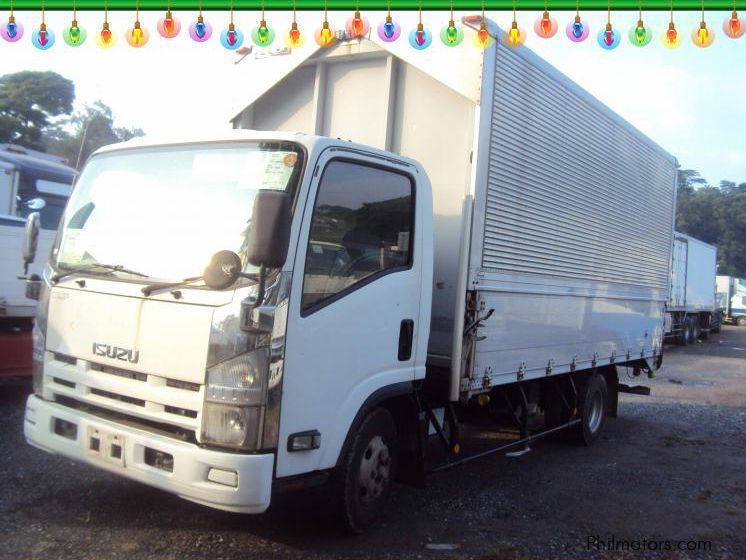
x: 226, y: 478
x: 233, y: 426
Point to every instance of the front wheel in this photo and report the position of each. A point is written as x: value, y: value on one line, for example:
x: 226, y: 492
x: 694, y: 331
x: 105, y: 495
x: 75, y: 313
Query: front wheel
x: 363, y: 480
x: 593, y: 405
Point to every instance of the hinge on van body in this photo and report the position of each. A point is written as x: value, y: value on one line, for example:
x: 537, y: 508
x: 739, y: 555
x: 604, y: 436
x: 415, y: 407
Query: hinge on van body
x: 612, y: 359
x: 521, y: 371
x: 594, y: 362
x: 486, y: 379
x: 550, y: 366
x: 574, y: 363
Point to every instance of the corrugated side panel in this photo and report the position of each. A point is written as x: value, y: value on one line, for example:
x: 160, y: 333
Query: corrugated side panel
x: 571, y: 193
x: 571, y: 244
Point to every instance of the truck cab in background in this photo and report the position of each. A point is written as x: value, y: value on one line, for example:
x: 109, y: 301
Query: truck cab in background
x: 731, y: 293
x: 30, y: 182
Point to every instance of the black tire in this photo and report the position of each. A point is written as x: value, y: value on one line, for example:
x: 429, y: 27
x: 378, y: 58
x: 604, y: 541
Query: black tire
x: 362, y: 482
x: 741, y: 321
x: 684, y: 333
x: 593, y: 407
x: 694, y: 329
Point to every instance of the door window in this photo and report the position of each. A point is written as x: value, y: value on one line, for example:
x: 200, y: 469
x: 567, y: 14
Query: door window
x: 361, y: 229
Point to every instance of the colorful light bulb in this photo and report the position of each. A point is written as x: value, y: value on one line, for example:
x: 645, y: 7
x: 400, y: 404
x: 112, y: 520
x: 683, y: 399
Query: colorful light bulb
x: 200, y: 31
x: 483, y: 39
x: 357, y: 26
x: 639, y: 35
x: 231, y: 37
x: 420, y: 38
x: 168, y: 26
x: 608, y: 38
x: 733, y: 27
x: 451, y: 35
x: 577, y: 31
x: 388, y: 30
x: 105, y: 38
x: 137, y: 36
x: 294, y: 39
x: 43, y: 38
x: 325, y: 36
x: 703, y: 37
x: 74, y: 35
x: 262, y: 35
x: 515, y: 36
x: 545, y: 26
x: 671, y: 38
x: 11, y: 31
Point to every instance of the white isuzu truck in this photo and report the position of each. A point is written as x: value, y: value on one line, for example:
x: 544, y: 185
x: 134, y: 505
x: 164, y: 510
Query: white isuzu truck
x: 693, y: 311
x: 222, y: 317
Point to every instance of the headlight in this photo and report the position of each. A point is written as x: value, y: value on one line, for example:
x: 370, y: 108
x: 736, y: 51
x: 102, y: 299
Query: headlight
x: 235, y: 395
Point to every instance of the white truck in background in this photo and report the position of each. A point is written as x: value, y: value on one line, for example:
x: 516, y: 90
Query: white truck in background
x: 693, y: 311
x: 468, y: 260
x: 731, y: 293
x: 30, y: 182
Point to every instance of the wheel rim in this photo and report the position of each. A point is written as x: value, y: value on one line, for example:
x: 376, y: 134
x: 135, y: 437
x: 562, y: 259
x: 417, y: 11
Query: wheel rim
x: 595, y: 414
x: 375, y: 468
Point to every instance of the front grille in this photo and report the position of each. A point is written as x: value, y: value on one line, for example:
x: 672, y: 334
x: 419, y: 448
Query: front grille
x: 115, y: 397
x: 120, y: 372
x: 153, y: 398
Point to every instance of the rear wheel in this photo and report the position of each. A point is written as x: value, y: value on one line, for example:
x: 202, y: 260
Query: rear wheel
x: 741, y: 321
x: 694, y: 329
x: 363, y: 480
x: 685, y: 332
x: 593, y: 405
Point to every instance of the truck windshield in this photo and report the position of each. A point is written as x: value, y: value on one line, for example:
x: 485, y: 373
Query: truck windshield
x: 163, y: 212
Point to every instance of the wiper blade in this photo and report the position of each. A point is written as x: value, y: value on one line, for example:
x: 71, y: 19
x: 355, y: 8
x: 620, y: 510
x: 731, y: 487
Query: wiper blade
x: 92, y: 268
x: 150, y: 288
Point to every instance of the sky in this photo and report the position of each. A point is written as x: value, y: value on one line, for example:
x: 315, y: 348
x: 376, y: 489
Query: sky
x: 690, y: 101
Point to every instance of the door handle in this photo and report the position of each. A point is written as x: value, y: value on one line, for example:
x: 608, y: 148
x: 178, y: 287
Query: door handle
x: 406, y: 333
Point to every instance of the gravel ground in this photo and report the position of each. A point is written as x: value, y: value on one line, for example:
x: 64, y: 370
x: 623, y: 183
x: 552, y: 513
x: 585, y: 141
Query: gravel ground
x: 669, y: 469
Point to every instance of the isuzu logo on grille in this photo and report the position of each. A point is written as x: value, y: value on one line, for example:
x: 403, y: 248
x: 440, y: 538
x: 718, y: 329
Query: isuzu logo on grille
x: 116, y: 353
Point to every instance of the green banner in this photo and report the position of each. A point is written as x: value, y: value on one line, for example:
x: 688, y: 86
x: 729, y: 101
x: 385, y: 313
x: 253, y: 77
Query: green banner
x: 349, y: 5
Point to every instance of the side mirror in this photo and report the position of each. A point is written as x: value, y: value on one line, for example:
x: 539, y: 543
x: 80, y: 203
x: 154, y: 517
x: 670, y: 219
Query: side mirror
x: 223, y: 270
x: 35, y: 204
x: 30, y: 240
x: 269, y: 234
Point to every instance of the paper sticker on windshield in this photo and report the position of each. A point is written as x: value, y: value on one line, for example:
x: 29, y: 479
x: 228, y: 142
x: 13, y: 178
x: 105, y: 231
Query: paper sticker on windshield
x: 277, y: 170
x: 69, y: 252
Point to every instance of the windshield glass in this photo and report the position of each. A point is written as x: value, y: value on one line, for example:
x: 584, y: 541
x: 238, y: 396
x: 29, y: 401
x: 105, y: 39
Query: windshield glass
x: 163, y: 212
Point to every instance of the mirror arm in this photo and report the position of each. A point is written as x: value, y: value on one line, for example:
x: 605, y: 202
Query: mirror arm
x: 262, y: 284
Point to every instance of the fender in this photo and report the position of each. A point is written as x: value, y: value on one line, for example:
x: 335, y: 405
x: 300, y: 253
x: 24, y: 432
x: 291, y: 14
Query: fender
x: 374, y: 399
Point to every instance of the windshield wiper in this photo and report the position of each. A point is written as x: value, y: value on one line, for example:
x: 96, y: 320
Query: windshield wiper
x: 91, y: 268
x: 150, y: 288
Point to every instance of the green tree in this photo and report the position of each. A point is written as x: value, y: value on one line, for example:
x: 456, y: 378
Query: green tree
x: 28, y: 101
x: 715, y: 215
x: 78, y: 136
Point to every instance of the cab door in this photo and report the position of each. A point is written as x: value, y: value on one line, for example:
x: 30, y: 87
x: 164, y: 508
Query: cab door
x: 357, y: 304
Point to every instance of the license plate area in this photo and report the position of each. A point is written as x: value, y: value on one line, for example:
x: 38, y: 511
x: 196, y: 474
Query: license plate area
x: 106, y: 445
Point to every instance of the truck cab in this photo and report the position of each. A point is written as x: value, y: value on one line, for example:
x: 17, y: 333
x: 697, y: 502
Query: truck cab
x: 149, y: 367
x: 30, y: 182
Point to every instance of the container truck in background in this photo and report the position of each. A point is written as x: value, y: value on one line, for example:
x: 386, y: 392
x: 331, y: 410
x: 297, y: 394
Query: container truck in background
x: 731, y: 293
x: 30, y: 182
x: 223, y: 317
x: 693, y: 311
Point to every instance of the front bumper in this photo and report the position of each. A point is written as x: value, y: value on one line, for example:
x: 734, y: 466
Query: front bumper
x: 227, y: 481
